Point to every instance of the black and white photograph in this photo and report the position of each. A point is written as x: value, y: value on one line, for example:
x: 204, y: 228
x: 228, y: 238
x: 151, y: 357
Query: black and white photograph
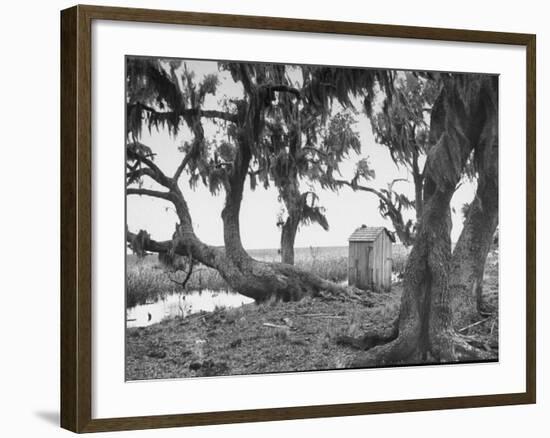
x: 290, y: 218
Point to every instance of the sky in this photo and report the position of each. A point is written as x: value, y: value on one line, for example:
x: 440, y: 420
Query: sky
x: 345, y: 210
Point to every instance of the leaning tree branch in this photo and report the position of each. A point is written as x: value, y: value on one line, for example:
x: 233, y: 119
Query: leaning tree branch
x: 188, y: 112
x: 134, y: 175
x: 364, y: 189
x: 155, y: 172
x: 148, y: 243
x: 285, y: 89
x: 147, y: 192
x: 182, y: 166
x: 396, y: 180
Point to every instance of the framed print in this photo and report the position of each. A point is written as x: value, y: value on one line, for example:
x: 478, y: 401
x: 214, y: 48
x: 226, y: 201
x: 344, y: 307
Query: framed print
x: 304, y: 218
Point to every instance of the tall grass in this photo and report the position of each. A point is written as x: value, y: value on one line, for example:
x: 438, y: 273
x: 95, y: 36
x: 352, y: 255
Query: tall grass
x: 327, y: 264
x: 148, y: 281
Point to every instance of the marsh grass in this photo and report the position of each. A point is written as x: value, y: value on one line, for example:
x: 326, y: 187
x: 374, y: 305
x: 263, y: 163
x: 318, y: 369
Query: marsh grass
x: 147, y: 281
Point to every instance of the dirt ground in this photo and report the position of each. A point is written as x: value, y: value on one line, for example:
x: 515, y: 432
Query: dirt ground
x: 276, y: 337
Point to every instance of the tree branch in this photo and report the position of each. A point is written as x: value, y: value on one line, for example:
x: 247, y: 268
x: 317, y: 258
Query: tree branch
x: 364, y: 189
x: 189, y: 112
x: 396, y: 180
x: 147, y: 192
x: 155, y: 172
x: 285, y: 89
x: 134, y: 175
x: 181, y: 167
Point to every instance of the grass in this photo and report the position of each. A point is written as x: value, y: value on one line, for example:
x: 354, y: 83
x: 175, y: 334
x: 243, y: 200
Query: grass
x: 148, y: 281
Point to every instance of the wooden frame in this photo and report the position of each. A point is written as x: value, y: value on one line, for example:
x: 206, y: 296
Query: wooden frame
x: 76, y: 174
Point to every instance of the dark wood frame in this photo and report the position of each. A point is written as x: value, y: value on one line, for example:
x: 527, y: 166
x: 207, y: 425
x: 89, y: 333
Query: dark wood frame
x: 76, y: 218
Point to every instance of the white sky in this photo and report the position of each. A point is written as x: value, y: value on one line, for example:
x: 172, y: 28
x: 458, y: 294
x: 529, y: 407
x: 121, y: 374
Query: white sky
x: 345, y: 210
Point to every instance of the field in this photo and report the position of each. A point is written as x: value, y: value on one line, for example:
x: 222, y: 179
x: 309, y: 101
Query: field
x: 278, y: 337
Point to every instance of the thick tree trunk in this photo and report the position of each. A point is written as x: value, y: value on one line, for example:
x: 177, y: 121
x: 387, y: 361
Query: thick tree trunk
x: 472, y: 248
x: 463, y: 116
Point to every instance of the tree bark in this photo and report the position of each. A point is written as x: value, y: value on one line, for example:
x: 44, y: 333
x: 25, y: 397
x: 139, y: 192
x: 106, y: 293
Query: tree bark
x: 474, y: 243
x: 288, y: 237
x: 290, y: 194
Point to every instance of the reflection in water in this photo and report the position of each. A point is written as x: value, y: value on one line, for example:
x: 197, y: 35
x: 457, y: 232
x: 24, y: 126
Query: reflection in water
x: 182, y: 305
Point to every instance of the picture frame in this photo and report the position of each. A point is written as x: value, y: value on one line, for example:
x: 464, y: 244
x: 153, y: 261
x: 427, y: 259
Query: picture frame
x: 77, y: 239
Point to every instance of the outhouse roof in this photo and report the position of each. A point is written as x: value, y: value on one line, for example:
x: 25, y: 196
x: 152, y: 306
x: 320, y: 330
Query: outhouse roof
x: 369, y: 234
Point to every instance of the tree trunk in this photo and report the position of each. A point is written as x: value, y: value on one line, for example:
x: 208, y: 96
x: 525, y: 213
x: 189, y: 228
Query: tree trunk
x: 290, y: 194
x: 288, y: 237
x: 463, y: 117
x: 423, y: 332
x: 472, y: 248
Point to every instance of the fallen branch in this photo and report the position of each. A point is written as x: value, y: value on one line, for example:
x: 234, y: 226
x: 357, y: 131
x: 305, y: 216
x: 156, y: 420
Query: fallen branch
x: 268, y: 324
x: 321, y: 315
x: 474, y: 324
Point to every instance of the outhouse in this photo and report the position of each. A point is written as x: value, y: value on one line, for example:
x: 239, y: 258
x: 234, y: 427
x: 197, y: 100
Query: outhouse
x: 370, y: 258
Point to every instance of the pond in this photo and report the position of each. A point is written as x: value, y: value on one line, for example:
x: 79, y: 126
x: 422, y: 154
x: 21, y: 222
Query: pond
x: 182, y: 305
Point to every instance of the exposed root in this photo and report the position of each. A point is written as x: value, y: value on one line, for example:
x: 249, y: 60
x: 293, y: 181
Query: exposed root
x: 370, y: 340
x: 449, y: 347
x: 462, y: 349
x: 394, y: 352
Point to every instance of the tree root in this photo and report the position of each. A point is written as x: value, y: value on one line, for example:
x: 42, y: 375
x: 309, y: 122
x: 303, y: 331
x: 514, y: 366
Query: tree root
x: 449, y: 347
x: 369, y: 340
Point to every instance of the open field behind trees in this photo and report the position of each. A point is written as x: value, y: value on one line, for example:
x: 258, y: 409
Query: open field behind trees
x: 277, y: 336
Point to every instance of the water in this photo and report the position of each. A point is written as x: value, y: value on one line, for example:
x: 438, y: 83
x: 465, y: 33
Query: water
x: 182, y: 305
